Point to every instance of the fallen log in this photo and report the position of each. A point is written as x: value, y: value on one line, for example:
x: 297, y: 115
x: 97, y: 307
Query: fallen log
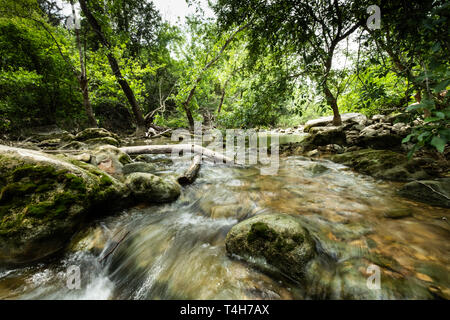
x: 161, y: 133
x: 191, y: 173
x: 159, y: 149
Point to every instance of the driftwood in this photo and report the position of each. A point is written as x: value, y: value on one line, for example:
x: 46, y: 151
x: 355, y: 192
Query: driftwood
x: 190, y: 174
x: 159, y: 149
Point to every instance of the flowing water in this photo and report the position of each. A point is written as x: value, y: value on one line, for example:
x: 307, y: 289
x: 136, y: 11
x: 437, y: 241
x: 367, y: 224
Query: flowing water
x: 177, y: 250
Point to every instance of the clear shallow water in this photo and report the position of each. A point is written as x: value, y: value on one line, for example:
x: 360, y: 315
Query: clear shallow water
x: 177, y: 251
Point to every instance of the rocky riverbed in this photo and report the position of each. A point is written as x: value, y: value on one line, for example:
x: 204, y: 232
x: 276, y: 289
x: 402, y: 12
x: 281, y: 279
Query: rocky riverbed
x: 314, y: 230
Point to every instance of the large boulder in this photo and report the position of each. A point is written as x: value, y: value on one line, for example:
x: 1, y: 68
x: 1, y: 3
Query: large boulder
x: 269, y: 241
x: 44, y: 199
x: 95, y: 133
x: 149, y: 188
x: 110, y: 159
x: 381, y: 136
x: 41, y: 134
x: 322, y: 136
x: 102, y: 141
x: 345, y: 117
x: 383, y: 164
x: 433, y: 192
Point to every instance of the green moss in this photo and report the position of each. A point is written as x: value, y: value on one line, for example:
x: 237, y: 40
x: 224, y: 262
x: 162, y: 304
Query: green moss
x: 260, y: 231
x: 34, y: 172
x: 105, y: 180
x: 10, y: 225
x: 16, y: 189
x: 124, y: 159
x: 53, y: 208
x: 273, y: 243
x: 4, y: 210
x: 74, y: 182
x: 40, y: 209
x: 45, y: 187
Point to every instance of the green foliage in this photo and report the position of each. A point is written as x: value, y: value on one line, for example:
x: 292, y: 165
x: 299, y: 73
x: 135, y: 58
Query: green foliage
x: 36, y: 88
x: 373, y: 90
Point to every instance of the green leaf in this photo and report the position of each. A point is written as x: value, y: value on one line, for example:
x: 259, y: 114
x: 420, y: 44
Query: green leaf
x: 441, y: 85
x: 407, y: 138
x: 423, y: 135
x: 431, y: 119
x: 436, y: 47
x: 415, y: 107
x: 440, y: 115
x: 438, y: 143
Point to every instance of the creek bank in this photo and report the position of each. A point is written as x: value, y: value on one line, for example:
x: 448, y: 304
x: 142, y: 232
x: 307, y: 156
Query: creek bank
x: 374, y: 147
x: 45, y: 199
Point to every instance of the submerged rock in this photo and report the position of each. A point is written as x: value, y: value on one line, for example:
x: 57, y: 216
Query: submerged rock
x: 317, y: 168
x: 149, y: 188
x: 44, y: 199
x: 235, y: 211
x: 398, y: 213
x: 433, y: 192
x: 382, y: 164
x: 278, y: 240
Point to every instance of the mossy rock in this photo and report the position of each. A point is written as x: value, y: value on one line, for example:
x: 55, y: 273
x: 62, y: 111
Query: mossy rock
x: 61, y: 135
x: 149, y: 188
x: 272, y: 240
x: 102, y: 141
x: 94, y: 133
x: 74, y: 145
x: 110, y: 159
x: 138, y: 167
x: 317, y: 169
x: 103, y: 152
x: 322, y: 136
x: 44, y: 199
x: 382, y: 164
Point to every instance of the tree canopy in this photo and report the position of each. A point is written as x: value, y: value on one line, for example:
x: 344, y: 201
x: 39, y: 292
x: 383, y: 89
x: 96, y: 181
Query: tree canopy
x: 256, y: 63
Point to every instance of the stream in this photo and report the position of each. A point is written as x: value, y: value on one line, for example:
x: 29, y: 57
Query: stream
x: 177, y: 250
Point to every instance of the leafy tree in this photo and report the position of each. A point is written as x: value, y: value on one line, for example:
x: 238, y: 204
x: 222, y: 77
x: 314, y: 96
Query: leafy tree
x: 102, y: 36
x: 205, y: 54
x: 311, y: 29
x: 414, y: 35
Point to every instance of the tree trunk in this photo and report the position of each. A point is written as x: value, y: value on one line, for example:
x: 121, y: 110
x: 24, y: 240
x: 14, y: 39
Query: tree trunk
x: 82, y: 77
x: 87, y: 103
x: 331, y: 99
x: 140, y: 123
x: 199, y: 78
x: 332, y: 102
x: 190, y: 117
x: 222, y: 98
